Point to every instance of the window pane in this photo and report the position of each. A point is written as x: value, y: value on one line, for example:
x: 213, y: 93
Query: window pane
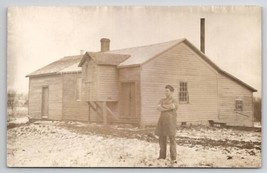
x: 183, y: 94
x: 239, y: 105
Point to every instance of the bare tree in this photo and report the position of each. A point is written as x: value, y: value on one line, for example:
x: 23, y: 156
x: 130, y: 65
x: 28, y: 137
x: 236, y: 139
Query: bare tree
x: 11, y: 102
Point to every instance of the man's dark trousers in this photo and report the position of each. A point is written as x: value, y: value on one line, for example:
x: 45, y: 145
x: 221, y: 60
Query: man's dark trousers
x: 163, y: 147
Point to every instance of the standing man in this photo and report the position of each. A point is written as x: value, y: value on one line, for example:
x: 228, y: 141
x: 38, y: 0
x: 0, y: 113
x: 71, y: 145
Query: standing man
x: 167, y: 123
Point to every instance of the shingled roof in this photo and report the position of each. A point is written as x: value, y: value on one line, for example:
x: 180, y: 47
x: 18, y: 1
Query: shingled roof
x: 103, y: 58
x: 68, y: 64
x: 140, y: 55
x: 125, y: 58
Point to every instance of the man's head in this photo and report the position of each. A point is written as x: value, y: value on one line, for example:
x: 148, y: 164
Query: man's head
x: 169, y: 90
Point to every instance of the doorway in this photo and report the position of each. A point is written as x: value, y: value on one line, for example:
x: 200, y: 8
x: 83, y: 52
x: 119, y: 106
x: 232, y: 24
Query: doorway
x: 128, y: 100
x: 45, y: 103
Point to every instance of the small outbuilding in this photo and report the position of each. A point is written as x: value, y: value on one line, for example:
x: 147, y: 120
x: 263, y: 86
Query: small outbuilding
x: 54, y: 91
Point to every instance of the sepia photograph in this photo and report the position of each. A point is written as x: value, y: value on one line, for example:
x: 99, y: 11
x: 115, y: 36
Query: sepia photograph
x: 134, y: 86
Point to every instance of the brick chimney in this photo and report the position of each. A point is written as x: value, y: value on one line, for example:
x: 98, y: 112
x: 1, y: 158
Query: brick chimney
x: 104, y: 44
x: 202, y: 35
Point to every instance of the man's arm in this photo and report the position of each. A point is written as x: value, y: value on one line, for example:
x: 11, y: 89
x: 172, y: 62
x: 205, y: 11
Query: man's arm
x: 160, y: 108
x: 165, y: 107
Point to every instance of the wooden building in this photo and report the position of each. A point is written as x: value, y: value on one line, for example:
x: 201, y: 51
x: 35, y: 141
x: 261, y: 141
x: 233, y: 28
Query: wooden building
x: 54, y: 91
x: 125, y: 86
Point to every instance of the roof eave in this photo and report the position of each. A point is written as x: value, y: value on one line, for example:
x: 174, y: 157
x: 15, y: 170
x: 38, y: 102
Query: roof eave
x: 40, y: 75
x: 128, y: 66
x: 105, y: 64
x: 56, y: 73
x: 83, y: 59
x: 238, y: 80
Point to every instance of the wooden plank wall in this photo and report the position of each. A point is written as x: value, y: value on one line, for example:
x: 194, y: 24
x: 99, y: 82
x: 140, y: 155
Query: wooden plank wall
x: 107, y: 87
x: 89, y: 82
x: 84, y: 87
x: 54, y: 83
x: 101, y: 82
x: 94, y: 117
x: 73, y: 109
x: 179, y: 64
x: 103, y: 86
x: 131, y: 74
x: 229, y: 91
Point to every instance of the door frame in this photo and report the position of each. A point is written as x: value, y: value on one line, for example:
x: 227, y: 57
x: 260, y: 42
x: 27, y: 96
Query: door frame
x: 43, y: 117
x: 135, y: 96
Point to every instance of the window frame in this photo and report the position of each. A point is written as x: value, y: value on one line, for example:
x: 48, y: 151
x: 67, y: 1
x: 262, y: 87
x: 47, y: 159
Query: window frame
x: 239, y: 105
x: 183, y: 93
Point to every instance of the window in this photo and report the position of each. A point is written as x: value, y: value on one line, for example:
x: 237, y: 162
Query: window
x: 78, y: 88
x: 238, y: 105
x: 183, y: 93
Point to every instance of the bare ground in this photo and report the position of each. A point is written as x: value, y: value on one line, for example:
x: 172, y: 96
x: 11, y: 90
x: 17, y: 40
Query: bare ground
x: 148, y: 135
x: 74, y: 144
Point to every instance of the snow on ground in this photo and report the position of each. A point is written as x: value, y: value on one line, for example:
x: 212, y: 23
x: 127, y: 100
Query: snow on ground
x: 20, y: 120
x: 55, y: 144
x: 219, y: 134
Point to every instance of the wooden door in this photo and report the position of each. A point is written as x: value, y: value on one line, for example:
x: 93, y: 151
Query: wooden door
x: 45, y: 103
x: 128, y: 105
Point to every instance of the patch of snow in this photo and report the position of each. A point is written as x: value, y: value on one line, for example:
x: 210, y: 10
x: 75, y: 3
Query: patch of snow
x: 219, y: 134
x: 48, y: 145
x: 19, y: 120
x: 257, y: 124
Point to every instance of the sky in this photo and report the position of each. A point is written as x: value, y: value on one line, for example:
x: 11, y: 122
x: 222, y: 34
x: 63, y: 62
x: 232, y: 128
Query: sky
x: 38, y: 36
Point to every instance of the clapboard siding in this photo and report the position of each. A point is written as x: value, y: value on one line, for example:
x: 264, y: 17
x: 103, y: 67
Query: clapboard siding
x: 129, y: 74
x: 73, y: 109
x: 89, y: 81
x: 229, y: 91
x: 100, y: 82
x: 212, y: 93
x: 54, y: 84
x: 179, y: 64
x: 107, y: 89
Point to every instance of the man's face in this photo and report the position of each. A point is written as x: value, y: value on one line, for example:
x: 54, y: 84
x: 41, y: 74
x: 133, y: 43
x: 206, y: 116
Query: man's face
x: 167, y: 92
